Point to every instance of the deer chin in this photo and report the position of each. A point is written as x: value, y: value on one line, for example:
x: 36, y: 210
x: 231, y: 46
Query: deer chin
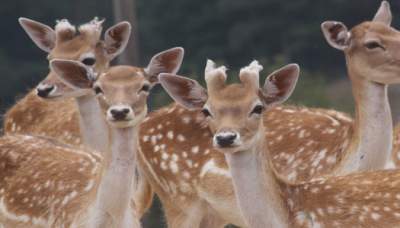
x: 235, y: 148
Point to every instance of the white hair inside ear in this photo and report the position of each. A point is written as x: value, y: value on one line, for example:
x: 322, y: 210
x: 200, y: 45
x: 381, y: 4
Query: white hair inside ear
x: 211, y: 70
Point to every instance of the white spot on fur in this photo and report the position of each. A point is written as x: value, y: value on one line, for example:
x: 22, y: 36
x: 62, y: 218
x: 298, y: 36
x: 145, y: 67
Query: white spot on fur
x: 163, y: 165
x: 164, y: 156
x: 186, y: 119
x: 170, y: 135
x: 173, y: 166
x: 181, y: 138
x: 195, y: 149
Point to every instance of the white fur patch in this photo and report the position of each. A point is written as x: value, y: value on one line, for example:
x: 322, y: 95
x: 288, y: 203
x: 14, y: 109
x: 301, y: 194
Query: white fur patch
x: 211, y: 167
x: 212, y: 71
x: 63, y: 25
x: 94, y: 25
x: 254, y: 67
x: 20, y: 218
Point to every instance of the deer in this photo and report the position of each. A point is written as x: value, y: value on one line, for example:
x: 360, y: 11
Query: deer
x: 67, y: 129
x: 46, y: 183
x: 183, y: 166
x: 42, y: 111
x: 168, y: 60
x: 265, y: 198
x: 396, y: 149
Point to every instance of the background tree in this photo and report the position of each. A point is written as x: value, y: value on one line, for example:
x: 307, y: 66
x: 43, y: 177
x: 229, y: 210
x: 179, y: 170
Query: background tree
x: 125, y: 10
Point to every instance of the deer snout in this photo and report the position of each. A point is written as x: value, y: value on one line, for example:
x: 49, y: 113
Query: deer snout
x: 44, y: 90
x: 226, y: 139
x: 120, y: 113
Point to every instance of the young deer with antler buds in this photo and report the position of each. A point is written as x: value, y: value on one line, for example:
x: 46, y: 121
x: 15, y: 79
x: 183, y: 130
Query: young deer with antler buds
x: 183, y: 165
x: 60, y: 119
x: 48, y: 184
x: 165, y: 61
x: 368, y: 199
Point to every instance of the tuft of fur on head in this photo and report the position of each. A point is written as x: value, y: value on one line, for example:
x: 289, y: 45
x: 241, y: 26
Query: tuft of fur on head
x: 250, y: 74
x: 215, y: 77
x: 92, y: 29
x: 64, y: 30
x: 64, y: 25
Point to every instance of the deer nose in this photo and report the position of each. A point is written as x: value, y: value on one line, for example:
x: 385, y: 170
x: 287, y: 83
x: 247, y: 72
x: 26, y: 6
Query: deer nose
x: 120, y: 112
x: 225, y: 139
x: 43, y: 90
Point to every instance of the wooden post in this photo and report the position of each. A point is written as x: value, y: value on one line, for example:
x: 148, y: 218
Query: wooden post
x: 125, y: 10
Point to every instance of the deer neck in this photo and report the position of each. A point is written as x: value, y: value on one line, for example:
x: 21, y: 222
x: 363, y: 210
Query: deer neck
x: 256, y: 188
x: 111, y: 208
x: 372, y: 137
x: 93, y: 127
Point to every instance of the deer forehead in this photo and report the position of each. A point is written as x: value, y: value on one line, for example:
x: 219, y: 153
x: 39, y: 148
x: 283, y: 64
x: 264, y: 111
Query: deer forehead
x: 373, y: 29
x: 73, y: 49
x: 234, y: 96
x: 122, y: 77
x: 233, y: 92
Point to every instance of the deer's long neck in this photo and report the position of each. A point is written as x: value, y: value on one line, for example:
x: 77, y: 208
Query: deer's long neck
x: 256, y: 188
x: 93, y: 127
x: 117, y: 183
x: 371, y: 142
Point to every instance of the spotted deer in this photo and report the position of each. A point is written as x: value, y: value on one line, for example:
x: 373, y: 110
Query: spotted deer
x: 234, y: 119
x: 182, y: 164
x: 370, y: 50
x: 58, y: 118
x: 396, y: 148
x: 165, y: 61
x: 45, y: 183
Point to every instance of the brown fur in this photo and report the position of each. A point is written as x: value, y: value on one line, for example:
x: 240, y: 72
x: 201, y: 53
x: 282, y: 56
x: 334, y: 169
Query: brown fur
x: 43, y: 180
x: 58, y: 118
x: 396, y: 146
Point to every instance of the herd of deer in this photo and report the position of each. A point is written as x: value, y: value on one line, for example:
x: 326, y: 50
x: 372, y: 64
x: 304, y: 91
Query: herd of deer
x: 81, y: 150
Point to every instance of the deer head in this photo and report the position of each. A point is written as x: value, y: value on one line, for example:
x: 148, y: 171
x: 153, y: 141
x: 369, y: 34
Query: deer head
x: 86, y: 47
x: 234, y: 112
x: 122, y: 90
x: 372, y: 48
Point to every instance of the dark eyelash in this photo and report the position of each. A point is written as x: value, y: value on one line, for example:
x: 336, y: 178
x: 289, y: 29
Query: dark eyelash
x: 258, y: 109
x: 205, y: 112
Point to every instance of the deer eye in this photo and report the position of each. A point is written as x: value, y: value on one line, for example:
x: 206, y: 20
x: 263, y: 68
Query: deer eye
x: 98, y: 90
x: 258, y: 109
x: 373, y: 45
x: 89, y: 61
x: 206, y: 112
x: 145, y: 88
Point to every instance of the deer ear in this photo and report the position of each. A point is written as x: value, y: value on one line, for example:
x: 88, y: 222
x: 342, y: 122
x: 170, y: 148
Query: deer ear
x: 280, y: 84
x: 168, y: 61
x: 116, y: 38
x: 187, y: 92
x: 72, y: 73
x: 42, y: 35
x: 384, y: 14
x: 337, y: 34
